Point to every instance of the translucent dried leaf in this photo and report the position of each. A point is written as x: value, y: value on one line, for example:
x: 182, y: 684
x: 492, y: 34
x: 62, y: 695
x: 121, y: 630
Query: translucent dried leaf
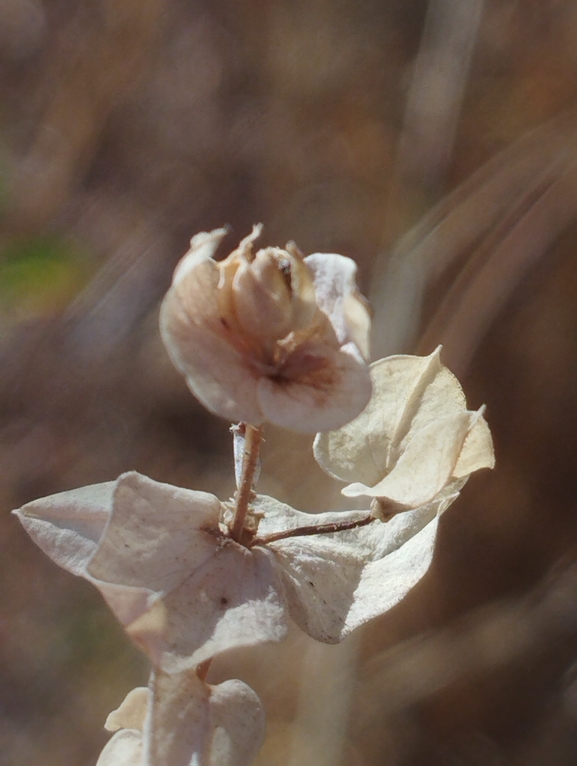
x: 183, y: 721
x: 425, y: 466
x: 131, y: 713
x: 124, y: 749
x: 413, y: 439
x: 336, y: 582
x: 185, y: 591
x: 181, y: 588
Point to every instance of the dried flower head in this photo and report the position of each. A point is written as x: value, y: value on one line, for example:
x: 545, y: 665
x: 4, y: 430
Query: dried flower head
x: 269, y: 336
x: 415, y: 443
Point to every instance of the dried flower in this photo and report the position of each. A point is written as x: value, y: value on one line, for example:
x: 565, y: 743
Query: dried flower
x: 414, y: 444
x: 269, y: 336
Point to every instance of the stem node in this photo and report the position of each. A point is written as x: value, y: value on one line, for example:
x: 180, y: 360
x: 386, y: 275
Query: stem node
x: 244, y: 494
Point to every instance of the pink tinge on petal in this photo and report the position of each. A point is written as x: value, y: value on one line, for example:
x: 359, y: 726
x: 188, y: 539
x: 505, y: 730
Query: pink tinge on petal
x: 221, y: 378
x: 239, y: 328
x: 321, y: 389
x: 215, y: 371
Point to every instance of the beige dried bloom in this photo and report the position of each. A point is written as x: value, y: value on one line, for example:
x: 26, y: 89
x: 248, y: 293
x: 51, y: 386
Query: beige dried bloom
x: 269, y: 336
x: 415, y: 444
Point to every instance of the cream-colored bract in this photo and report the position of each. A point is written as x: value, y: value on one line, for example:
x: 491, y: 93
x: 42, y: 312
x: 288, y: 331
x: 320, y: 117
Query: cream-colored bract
x: 185, y: 592
x: 414, y: 444
x: 180, y: 720
x: 269, y: 336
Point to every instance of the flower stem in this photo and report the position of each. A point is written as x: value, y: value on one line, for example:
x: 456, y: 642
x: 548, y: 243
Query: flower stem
x: 318, y: 529
x: 252, y: 442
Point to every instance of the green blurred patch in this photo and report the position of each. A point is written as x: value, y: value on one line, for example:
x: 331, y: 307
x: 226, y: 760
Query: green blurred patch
x: 40, y: 275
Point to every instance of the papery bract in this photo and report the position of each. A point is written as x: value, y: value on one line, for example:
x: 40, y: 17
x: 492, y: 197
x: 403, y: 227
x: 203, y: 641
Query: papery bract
x: 185, y: 591
x: 182, y: 590
x: 414, y: 443
x: 336, y: 582
x: 131, y: 713
x: 269, y: 336
x: 183, y: 721
x: 123, y: 749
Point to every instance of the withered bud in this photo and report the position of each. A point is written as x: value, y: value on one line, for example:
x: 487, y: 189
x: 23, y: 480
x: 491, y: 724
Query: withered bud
x: 269, y: 336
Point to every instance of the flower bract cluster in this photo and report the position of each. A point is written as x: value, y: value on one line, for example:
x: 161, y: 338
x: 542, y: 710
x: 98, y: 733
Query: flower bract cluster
x: 265, y: 336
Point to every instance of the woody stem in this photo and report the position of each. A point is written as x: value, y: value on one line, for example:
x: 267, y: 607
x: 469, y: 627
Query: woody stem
x: 252, y: 441
x: 315, y: 529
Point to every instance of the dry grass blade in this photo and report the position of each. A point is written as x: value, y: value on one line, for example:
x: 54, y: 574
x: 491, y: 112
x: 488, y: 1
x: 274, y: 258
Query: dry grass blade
x: 440, y: 76
x: 469, y: 222
x: 488, y: 638
x: 499, y: 263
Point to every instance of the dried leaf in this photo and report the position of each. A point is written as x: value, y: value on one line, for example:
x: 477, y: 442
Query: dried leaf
x: 194, y: 724
x: 336, y: 582
x: 412, y: 441
x: 132, y: 712
x: 181, y: 588
x: 187, y: 722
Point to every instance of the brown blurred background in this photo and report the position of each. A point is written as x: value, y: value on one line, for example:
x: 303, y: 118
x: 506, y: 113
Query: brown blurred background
x: 436, y: 143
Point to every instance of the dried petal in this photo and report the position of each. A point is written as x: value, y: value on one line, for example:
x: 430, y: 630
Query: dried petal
x: 337, y: 294
x: 196, y: 336
x: 330, y: 388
